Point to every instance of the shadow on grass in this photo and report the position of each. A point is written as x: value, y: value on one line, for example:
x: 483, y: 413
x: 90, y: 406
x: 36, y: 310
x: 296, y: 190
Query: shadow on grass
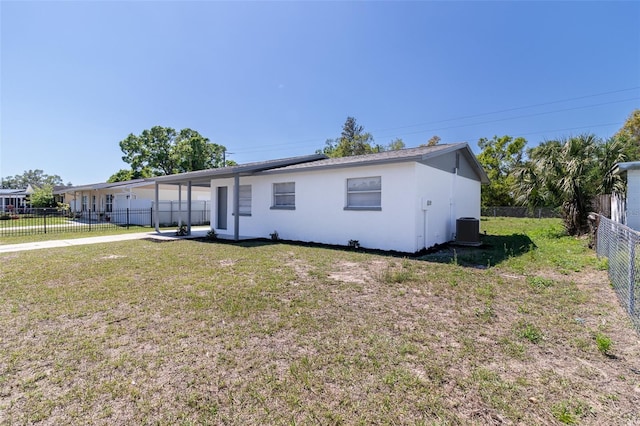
x: 494, y: 249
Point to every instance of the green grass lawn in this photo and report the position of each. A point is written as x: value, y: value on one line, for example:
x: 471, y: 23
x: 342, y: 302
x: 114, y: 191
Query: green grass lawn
x: 523, y: 330
x: 56, y: 234
x: 32, y: 220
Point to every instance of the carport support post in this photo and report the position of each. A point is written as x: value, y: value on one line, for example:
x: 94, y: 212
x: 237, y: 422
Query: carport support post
x: 179, y: 205
x: 236, y: 207
x: 156, y: 213
x: 189, y: 208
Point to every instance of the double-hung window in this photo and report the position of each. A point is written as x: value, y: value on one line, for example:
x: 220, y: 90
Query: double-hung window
x: 284, y: 195
x: 108, y: 207
x: 244, y: 200
x: 364, y: 193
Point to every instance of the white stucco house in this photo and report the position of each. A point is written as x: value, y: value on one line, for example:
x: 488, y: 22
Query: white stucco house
x: 12, y: 199
x: 631, y: 214
x: 112, y: 199
x: 403, y: 200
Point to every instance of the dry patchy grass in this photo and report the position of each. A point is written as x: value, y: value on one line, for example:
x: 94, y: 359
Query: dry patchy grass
x: 188, y: 332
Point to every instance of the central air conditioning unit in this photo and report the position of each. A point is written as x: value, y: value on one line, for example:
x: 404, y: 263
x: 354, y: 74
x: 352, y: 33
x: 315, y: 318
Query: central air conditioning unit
x: 468, y: 231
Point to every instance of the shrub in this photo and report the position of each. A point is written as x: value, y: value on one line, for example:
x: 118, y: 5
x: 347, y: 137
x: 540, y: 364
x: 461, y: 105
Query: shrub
x: 604, y: 343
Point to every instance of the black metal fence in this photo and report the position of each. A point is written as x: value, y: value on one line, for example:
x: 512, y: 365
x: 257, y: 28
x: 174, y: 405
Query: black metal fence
x: 45, y: 221
x: 52, y: 220
x: 621, y: 246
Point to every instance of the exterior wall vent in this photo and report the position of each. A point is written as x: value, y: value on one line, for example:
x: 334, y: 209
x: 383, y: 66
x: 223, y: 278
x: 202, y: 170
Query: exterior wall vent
x: 468, y: 231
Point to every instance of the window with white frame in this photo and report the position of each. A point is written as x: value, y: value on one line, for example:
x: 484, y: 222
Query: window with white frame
x: 284, y: 195
x: 364, y: 193
x: 85, y: 201
x: 244, y: 200
x: 108, y: 207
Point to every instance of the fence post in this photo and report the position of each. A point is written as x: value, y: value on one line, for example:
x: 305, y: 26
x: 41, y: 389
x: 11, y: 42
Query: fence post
x: 89, y: 219
x: 44, y: 220
x: 127, y: 217
x: 632, y: 274
x: 151, y: 215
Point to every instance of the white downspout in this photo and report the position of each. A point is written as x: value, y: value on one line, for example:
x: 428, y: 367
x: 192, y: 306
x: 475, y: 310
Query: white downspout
x: 452, y: 199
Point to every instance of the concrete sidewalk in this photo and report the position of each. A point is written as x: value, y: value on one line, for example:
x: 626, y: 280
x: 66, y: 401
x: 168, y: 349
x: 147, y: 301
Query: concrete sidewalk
x: 196, y: 232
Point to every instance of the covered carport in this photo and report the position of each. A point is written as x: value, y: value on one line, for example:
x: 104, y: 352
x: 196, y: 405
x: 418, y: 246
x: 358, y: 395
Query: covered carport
x: 204, y: 178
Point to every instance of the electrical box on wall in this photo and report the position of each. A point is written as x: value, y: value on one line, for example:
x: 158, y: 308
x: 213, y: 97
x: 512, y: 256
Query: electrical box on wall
x: 425, y: 204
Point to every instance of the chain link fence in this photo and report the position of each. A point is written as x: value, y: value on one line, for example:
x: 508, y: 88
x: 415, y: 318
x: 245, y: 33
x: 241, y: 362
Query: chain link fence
x: 621, y: 246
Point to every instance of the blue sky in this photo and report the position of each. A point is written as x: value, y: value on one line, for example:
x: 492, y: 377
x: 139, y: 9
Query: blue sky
x: 276, y: 79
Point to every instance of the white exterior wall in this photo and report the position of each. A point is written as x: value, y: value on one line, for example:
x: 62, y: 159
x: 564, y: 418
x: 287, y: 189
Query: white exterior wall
x: 139, y: 197
x: 407, y: 221
x: 442, y: 198
x: 319, y: 215
x: 633, y: 199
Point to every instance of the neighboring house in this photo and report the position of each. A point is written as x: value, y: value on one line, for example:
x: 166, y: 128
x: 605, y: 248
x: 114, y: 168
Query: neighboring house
x: 113, y: 199
x: 14, y: 198
x: 402, y: 200
x: 631, y: 206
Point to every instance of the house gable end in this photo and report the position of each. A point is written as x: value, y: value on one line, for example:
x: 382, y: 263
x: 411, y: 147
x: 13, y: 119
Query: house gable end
x: 449, y: 161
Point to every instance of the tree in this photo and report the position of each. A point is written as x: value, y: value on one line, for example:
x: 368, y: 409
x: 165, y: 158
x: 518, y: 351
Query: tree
x: 630, y: 134
x: 396, y: 145
x: 163, y: 151
x: 435, y: 140
x: 36, y: 178
x: 565, y: 173
x: 123, y: 175
x: 352, y: 141
x: 42, y: 197
x: 610, y: 153
x: 499, y: 157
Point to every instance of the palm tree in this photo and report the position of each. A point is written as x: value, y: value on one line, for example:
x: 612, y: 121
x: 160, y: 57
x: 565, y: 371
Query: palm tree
x: 561, y: 172
x: 577, y: 184
x: 612, y: 152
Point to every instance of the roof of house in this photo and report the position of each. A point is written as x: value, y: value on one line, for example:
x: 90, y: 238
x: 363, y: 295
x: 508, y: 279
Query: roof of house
x: 6, y: 192
x: 290, y: 164
x: 102, y: 185
x: 623, y: 167
x: 204, y: 176
x: 421, y: 153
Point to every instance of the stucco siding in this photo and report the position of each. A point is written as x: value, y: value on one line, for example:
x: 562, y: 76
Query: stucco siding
x: 420, y: 204
x: 443, y: 198
x: 320, y: 215
x: 139, y: 197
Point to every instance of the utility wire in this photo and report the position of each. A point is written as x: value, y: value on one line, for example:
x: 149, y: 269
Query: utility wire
x: 520, y: 116
x: 513, y: 109
x: 297, y: 143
